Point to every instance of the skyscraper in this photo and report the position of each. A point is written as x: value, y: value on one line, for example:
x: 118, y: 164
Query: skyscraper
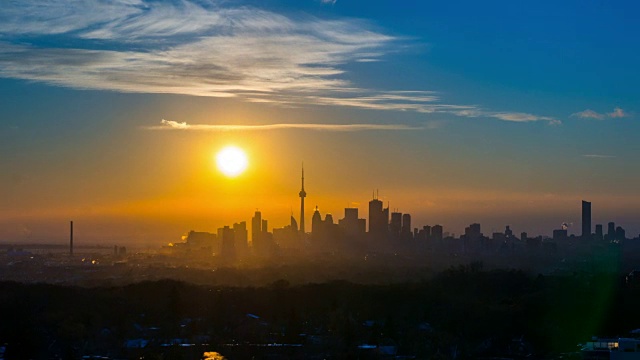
x: 302, y: 194
x: 611, y: 231
x: 586, y: 220
x: 316, y: 222
x: 599, y: 233
x: 351, y: 224
x: 256, y: 228
x: 406, y: 223
x: 436, y: 232
x: 240, y: 237
x: 378, y: 219
x: 395, y: 225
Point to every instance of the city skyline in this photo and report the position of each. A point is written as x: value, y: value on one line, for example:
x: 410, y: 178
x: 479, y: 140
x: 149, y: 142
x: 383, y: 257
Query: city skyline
x: 459, y: 113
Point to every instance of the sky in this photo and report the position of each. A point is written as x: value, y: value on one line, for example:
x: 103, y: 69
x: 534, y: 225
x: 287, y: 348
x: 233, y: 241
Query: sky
x: 500, y: 112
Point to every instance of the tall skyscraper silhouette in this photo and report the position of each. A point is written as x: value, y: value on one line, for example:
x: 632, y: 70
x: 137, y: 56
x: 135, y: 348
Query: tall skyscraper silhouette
x: 611, y: 231
x: 256, y: 228
x: 395, y: 225
x: 378, y: 219
x: 316, y: 222
x: 71, y: 238
x: 406, y: 226
x: 302, y: 194
x: 586, y: 220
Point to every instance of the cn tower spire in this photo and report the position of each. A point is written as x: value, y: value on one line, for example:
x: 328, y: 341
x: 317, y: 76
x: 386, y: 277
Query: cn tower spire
x: 302, y: 194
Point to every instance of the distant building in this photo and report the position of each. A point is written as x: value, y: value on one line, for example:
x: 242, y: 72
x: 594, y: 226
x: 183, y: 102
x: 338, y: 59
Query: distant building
x: 316, y: 222
x: 228, y: 248
x: 508, y: 232
x: 328, y: 219
x: 586, y: 220
x: 378, y: 218
x: 395, y: 226
x: 256, y: 227
x: 560, y: 235
x: 289, y: 236
x: 611, y: 231
x: 200, y: 239
x: 241, y: 238
x: 436, y: 232
x: 473, y: 232
x: 406, y: 227
x: 599, y: 233
x: 351, y: 224
x: 426, y: 231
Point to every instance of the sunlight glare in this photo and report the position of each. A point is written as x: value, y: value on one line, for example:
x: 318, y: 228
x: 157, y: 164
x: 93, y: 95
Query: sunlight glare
x: 232, y: 161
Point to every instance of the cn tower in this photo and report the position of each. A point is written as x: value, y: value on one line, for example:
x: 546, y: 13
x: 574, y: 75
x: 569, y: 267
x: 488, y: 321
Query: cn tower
x: 302, y: 194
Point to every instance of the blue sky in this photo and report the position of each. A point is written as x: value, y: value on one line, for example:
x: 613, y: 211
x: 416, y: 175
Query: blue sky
x: 459, y: 111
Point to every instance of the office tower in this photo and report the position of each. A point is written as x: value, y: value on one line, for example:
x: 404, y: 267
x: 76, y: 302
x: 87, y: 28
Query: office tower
x: 228, y: 248
x: 436, y: 233
x: 405, y: 233
x: 351, y: 225
x: 264, y: 226
x: 316, y: 222
x: 508, y: 232
x: 620, y: 233
x: 240, y: 234
x: 302, y: 194
x: 256, y: 227
x: 406, y: 223
x: 426, y: 232
x: 328, y: 219
x: 599, y: 233
x: 523, y: 236
x: 378, y: 219
x: 395, y: 225
x: 351, y: 213
x: 200, y: 239
x: 375, y: 214
x: 560, y: 235
x: 611, y: 231
x: 71, y: 238
x: 586, y: 220
x: 473, y: 231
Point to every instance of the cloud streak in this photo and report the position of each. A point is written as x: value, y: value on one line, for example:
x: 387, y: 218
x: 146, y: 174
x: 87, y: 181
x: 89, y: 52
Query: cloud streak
x: 590, y: 114
x: 207, y: 48
x: 180, y: 47
x: 598, y: 156
x: 175, y: 125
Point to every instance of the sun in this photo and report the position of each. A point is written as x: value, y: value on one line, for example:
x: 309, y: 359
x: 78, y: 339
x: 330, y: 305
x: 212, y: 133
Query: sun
x: 232, y: 161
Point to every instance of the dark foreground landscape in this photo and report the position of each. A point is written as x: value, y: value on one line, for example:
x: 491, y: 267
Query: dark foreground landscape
x: 464, y: 312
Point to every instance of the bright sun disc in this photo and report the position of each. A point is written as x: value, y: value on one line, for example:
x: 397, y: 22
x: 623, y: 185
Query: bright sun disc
x: 232, y: 161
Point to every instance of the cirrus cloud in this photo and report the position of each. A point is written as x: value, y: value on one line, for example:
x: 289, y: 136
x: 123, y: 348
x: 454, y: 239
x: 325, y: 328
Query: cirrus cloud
x: 175, y: 125
x: 590, y: 114
x: 207, y: 48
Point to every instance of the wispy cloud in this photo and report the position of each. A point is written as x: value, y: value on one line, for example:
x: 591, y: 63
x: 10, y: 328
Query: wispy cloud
x: 182, y: 47
x: 617, y: 113
x: 598, y: 156
x: 175, y: 125
x: 505, y: 116
x: 207, y: 48
x: 590, y: 114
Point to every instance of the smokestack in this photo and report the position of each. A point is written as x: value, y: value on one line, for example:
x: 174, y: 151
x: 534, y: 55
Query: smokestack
x: 71, y: 239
